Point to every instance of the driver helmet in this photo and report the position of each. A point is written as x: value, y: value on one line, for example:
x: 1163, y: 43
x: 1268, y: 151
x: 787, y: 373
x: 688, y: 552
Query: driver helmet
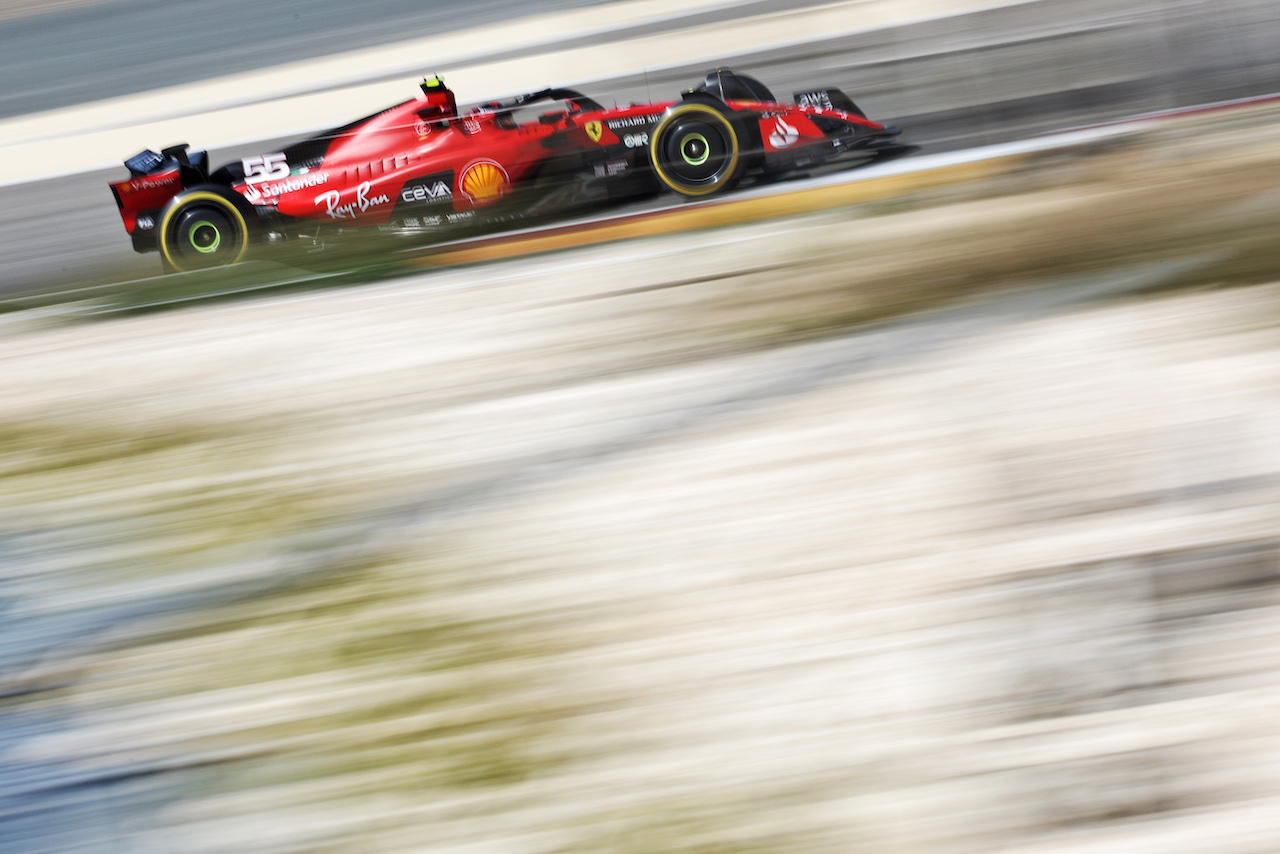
x: 439, y: 97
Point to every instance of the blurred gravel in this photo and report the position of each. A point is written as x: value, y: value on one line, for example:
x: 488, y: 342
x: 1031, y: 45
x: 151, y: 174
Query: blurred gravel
x: 944, y: 525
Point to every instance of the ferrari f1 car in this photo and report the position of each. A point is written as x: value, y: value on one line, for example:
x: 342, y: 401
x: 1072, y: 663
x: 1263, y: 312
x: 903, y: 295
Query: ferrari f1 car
x: 424, y: 168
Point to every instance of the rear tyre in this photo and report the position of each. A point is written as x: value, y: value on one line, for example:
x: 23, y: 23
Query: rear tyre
x: 202, y: 229
x: 696, y: 149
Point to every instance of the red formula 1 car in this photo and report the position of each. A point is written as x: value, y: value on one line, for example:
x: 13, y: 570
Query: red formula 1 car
x: 423, y: 169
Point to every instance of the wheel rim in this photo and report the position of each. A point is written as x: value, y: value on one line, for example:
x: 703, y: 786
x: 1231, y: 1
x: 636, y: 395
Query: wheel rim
x: 695, y: 150
x: 205, y: 232
x: 205, y: 237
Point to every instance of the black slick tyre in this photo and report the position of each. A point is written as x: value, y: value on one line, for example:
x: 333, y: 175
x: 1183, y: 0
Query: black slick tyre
x: 200, y: 229
x: 696, y: 149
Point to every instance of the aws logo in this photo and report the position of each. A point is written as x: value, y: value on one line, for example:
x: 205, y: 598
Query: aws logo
x: 484, y: 181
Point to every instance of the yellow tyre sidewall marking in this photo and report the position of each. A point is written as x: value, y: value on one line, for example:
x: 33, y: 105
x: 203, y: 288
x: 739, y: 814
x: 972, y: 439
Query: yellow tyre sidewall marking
x: 666, y: 122
x: 199, y: 196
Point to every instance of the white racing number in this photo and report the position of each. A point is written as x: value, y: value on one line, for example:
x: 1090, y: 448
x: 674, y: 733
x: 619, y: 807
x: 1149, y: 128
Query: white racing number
x: 268, y: 167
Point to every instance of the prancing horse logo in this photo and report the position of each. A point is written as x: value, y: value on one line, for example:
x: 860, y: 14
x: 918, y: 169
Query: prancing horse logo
x: 595, y: 130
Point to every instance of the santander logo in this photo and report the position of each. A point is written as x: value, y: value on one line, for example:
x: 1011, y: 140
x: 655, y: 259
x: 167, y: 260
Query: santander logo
x: 783, y: 134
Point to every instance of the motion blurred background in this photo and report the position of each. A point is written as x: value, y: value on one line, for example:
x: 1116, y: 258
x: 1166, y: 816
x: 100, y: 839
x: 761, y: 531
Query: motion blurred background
x: 939, y: 520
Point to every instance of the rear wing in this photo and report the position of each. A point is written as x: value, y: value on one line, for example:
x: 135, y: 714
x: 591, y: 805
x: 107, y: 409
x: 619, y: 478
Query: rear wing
x: 154, y: 179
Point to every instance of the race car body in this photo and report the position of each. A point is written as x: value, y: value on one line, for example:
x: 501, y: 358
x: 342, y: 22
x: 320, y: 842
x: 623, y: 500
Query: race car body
x: 421, y: 168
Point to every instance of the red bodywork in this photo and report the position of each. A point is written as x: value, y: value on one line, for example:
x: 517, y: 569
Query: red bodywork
x: 420, y: 165
x: 480, y: 157
x: 145, y: 193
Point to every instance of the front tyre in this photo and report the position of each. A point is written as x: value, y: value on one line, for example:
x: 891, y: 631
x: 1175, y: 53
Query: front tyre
x: 202, y: 229
x: 696, y: 150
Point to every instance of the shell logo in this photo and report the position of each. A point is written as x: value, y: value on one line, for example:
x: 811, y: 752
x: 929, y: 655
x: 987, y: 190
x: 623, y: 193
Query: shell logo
x: 484, y: 181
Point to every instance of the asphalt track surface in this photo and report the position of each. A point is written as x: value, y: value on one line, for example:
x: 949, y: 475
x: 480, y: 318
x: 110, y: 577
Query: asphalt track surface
x: 75, y: 55
x: 975, y: 80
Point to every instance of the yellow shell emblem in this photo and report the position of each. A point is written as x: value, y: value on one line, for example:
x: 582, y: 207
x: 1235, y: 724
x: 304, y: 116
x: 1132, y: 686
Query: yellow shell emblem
x: 594, y: 130
x: 484, y: 181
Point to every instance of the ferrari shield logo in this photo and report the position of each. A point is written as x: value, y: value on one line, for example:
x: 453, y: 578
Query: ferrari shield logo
x: 595, y: 130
